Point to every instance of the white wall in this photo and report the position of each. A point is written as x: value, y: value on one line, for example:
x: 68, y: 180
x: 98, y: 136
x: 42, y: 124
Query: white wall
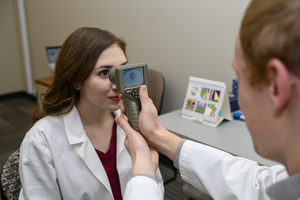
x: 178, y: 38
x: 11, y: 68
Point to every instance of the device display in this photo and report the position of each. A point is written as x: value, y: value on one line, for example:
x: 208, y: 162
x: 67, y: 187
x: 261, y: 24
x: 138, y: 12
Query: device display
x: 128, y: 79
x: 133, y: 77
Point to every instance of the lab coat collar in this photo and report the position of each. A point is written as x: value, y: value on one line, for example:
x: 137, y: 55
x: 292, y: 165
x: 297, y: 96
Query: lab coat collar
x: 76, y: 135
x: 74, y: 128
x: 75, y: 131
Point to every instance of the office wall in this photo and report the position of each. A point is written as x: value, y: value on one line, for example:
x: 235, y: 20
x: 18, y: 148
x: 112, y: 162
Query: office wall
x: 177, y: 38
x: 11, y: 67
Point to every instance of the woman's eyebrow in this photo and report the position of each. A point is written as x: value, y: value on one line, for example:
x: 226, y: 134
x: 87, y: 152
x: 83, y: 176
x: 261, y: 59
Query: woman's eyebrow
x: 103, y: 67
x: 109, y: 66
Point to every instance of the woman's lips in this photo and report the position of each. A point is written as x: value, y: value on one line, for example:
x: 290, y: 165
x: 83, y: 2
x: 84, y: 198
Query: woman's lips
x: 116, y: 98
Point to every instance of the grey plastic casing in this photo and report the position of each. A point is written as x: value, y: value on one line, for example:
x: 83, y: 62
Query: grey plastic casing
x: 130, y: 94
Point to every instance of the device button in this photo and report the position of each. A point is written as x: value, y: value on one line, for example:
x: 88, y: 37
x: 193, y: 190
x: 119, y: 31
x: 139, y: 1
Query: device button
x: 128, y: 91
x: 135, y: 93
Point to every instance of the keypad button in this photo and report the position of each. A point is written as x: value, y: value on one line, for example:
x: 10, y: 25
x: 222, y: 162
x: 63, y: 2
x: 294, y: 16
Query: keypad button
x: 135, y: 93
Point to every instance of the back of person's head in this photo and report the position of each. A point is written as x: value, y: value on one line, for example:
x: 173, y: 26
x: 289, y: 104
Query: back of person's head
x: 74, y: 64
x: 271, y: 29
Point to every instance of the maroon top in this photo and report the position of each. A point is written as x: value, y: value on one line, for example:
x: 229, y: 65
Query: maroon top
x: 109, y: 162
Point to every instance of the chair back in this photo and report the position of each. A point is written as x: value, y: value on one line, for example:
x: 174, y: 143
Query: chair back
x: 10, y: 178
x: 156, y: 88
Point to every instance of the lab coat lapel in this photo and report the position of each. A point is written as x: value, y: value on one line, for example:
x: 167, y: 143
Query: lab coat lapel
x: 120, y: 140
x: 123, y: 157
x: 120, y: 136
x: 76, y: 135
x: 91, y: 159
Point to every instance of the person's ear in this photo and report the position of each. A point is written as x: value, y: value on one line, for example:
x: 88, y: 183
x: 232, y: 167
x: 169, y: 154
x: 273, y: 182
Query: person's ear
x: 280, y: 89
x: 76, y: 86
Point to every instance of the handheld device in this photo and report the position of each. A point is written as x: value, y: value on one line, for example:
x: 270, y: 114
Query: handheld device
x: 128, y: 79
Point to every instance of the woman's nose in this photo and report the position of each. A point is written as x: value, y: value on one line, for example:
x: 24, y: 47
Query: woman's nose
x: 113, y: 86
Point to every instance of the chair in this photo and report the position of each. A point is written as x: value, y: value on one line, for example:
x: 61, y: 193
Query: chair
x: 156, y: 92
x: 10, y: 179
x: 156, y: 88
x: 193, y: 193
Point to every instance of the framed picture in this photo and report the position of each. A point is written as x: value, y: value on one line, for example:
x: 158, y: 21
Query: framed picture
x: 206, y: 101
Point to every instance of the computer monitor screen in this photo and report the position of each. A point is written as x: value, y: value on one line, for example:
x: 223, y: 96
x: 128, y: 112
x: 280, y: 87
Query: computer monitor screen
x: 52, y: 53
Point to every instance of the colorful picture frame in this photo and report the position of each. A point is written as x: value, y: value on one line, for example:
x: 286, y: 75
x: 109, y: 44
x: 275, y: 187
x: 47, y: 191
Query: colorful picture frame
x: 206, y: 101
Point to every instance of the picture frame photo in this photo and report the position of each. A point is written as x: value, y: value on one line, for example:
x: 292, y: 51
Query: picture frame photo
x: 206, y: 101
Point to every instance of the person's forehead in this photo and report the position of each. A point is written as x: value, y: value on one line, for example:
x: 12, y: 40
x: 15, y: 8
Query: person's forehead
x: 112, y: 56
x: 238, y: 44
x: 239, y: 59
x: 235, y: 56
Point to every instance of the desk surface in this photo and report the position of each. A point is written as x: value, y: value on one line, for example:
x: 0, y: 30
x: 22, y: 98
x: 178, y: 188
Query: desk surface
x: 232, y: 137
x: 47, y: 81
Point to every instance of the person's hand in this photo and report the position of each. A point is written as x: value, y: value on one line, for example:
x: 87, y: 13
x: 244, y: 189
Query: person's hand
x: 148, y: 121
x: 144, y: 158
x: 154, y: 133
x: 148, y: 118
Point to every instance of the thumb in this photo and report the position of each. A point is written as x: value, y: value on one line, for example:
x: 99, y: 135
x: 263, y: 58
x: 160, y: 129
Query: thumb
x: 143, y: 93
x: 124, y: 124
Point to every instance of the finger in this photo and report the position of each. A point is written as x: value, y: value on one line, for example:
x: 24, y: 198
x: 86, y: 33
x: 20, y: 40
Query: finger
x: 146, y: 102
x: 122, y: 108
x: 123, y: 123
x: 154, y: 156
x: 144, y: 93
x: 152, y: 148
x: 127, y: 144
x: 122, y: 115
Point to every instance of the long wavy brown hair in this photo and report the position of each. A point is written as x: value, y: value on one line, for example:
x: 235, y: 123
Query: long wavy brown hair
x: 74, y: 64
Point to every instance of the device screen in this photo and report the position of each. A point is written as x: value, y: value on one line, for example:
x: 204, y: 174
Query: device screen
x: 133, y: 77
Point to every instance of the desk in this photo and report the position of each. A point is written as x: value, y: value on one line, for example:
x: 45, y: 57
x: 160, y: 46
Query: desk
x: 42, y: 85
x: 232, y: 137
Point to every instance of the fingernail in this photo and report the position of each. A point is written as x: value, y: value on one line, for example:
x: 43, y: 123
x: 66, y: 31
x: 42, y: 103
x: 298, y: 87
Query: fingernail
x: 117, y: 119
x: 143, y: 87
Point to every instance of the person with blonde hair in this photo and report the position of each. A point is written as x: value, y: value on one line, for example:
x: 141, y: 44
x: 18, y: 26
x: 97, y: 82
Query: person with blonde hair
x: 267, y: 63
x: 74, y: 149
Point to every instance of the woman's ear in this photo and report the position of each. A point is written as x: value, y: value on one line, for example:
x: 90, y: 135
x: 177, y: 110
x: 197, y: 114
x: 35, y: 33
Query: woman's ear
x: 280, y: 87
x: 77, y: 86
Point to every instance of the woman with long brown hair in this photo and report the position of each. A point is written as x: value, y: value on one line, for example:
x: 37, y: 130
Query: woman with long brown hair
x: 74, y: 149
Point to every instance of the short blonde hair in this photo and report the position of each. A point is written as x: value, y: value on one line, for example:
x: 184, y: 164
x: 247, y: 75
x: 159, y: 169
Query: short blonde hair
x: 271, y: 29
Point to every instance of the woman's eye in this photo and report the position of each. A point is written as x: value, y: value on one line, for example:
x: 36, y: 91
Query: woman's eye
x: 104, y: 73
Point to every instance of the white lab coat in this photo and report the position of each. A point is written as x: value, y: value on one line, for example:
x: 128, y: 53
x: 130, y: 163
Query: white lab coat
x: 58, y: 161
x: 218, y: 173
